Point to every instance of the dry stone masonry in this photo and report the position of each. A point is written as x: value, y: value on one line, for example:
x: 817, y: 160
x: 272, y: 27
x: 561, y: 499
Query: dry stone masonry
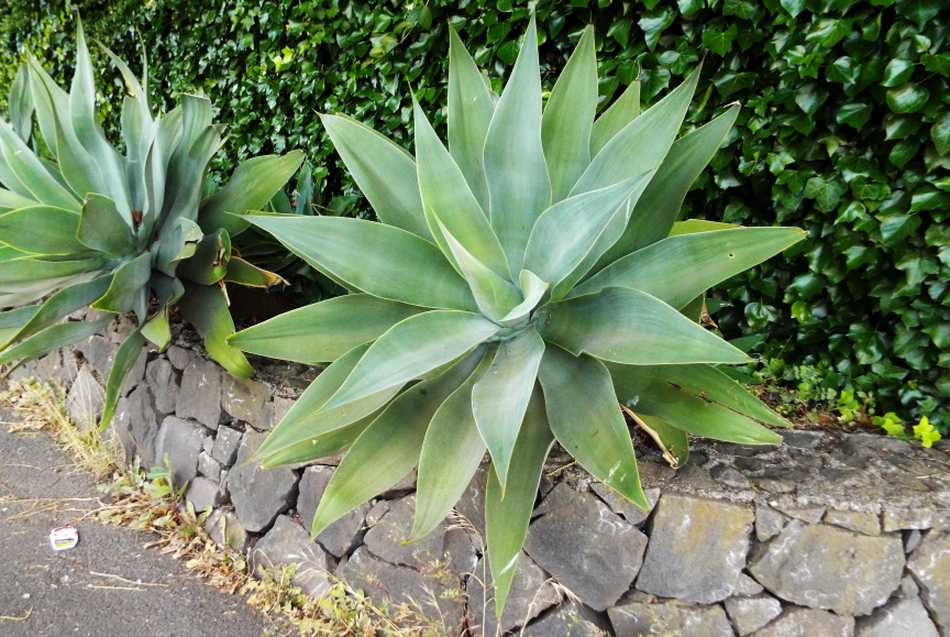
x: 829, y: 535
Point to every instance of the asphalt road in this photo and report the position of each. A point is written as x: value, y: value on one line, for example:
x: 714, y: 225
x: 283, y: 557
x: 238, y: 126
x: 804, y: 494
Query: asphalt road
x: 79, y: 591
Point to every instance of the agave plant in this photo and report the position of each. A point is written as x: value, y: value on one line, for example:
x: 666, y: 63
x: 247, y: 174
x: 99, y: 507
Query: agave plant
x: 133, y: 232
x: 524, y: 282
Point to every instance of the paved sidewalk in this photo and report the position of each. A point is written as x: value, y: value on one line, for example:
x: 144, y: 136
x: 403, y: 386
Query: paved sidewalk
x: 78, y: 592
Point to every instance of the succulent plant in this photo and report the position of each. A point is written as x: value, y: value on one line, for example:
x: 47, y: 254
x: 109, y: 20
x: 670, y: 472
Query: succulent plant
x: 529, y: 283
x: 132, y: 231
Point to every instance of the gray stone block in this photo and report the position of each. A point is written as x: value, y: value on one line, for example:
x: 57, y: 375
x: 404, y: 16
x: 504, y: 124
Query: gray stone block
x: 568, y: 620
x: 84, y: 400
x: 246, y: 400
x: 339, y: 537
x: 748, y: 614
x: 160, y: 376
x: 200, y: 394
x: 434, y: 595
x: 825, y: 567
x: 226, y: 443
x: 209, y: 467
x: 858, y: 521
x: 530, y: 595
x: 768, y: 522
x: 259, y: 495
x: 179, y: 357
x: 204, y: 494
x: 137, y: 425
x: 697, y: 549
x: 900, y: 617
x: 288, y: 544
x: 808, y: 622
x: 224, y: 528
x: 930, y: 564
x: 179, y: 441
x: 98, y: 352
x: 621, y: 506
x: 669, y: 618
x: 594, y: 552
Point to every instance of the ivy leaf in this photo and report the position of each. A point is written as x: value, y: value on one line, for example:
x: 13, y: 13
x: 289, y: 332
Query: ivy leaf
x: 794, y: 7
x: 908, y: 98
x: 897, y: 72
x: 919, y: 11
x: 654, y: 23
x: 940, y: 133
x: 719, y: 41
x: 854, y: 114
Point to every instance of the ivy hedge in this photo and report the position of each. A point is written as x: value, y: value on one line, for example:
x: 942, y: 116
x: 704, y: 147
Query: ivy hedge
x: 845, y: 131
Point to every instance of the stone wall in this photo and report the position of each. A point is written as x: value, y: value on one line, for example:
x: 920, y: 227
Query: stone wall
x: 828, y: 535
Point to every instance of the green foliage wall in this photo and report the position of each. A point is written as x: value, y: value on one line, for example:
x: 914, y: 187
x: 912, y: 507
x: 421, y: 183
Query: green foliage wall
x: 845, y: 131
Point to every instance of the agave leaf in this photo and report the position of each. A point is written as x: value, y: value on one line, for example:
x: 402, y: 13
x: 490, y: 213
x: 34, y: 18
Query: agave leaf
x: 695, y: 308
x: 494, y: 295
x: 533, y: 289
x: 690, y: 226
x: 569, y: 117
x: 567, y: 231
x: 585, y: 418
x: 314, y: 447
x: 53, y: 337
x: 623, y: 111
x: 471, y: 105
x: 712, y: 385
x: 678, y: 269
x: 177, y: 241
x: 23, y: 271
x: 122, y: 363
x: 79, y: 169
x: 384, y: 172
x: 659, y: 206
x: 393, y: 264
x: 652, y: 395
x: 128, y: 287
x: 654, y: 333
x: 451, y: 452
x: 673, y: 442
x: 500, y: 398
x: 206, y: 308
x: 643, y: 143
x: 20, y: 104
x: 252, y: 185
x: 244, y: 273
x: 411, y: 348
x: 10, y: 200
x: 103, y: 229
x: 57, y: 307
x: 515, y: 171
x: 42, y: 229
x: 508, y: 512
x: 85, y: 124
x: 389, y: 448
x: 12, y: 321
x: 209, y: 263
x: 307, y: 420
x: 31, y: 173
x: 323, y: 331
x: 447, y: 200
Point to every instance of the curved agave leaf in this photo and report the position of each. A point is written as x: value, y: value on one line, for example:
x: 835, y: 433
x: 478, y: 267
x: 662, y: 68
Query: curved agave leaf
x: 500, y: 397
x: 323, y: 331
x: 57, y: 307
x: 568, y: 117
x: 451, y: 452
x: 42, y: 230
x: 102, y: 227
x: 654, y: 334
x: 515, y: 170
x: 385, y: 173
x: 394, y: 264
x: 508, y: 511
x: 20, y: 104
x: 51, y: 338
x: 411, y: 348
x: 471, y: 105
x: 206, y: 308
x: 699, y: 260
x: 582, y: 409
x: 389, y: 448
x: 123, y: 362
x: 623, y: 111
